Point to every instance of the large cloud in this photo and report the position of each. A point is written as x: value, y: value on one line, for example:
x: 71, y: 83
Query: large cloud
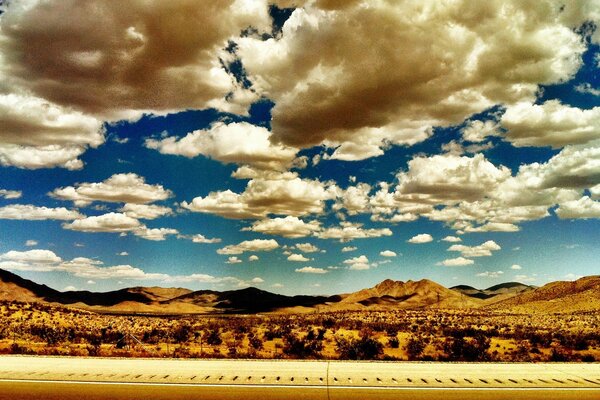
x: 110, y: 222
x: 250, y: 245
x: 35, y: 213
x: 364, y: 74
x: 239, y: 142
x: 126, y: 188
x: 348, y: 231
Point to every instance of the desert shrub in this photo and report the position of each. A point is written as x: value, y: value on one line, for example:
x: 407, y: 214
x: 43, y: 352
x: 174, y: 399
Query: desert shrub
x: 213, y: 337
x: 393, y: 342
x: 415, y: 347
x: 364, y: 348
x: 472, y: 349
x: 301, y: 348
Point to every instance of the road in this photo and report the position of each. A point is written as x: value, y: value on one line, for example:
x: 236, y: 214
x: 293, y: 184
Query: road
x: 34, y: 377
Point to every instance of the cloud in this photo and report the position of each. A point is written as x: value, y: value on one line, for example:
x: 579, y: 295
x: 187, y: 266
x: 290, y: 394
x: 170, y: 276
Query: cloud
x: 483, y: 250
x: 123, y: 253
x: 348, y: 231
x: 515, y: 267
x: 358, y: 263
x: 110, y: 222
x: 452, y: 239
x: 355, y: 199
x: 456, y: 262
x: 297, y: 258
x: 348, y: 248
x: 364, y: 75
x: 587, y: 88
x: 233, y: 260
x: 198, y: 238
x: 262, y: 197
x: 550, y: 124
x: 583, y: 208
x: 31, y: 243
x: 491, y: 274
x: 10, y: 194
x: 290, y: 227
x: 250, y: 245
x: 277, y: 285
x: 387, y: 253
x: 125, y: 188
x: 150, y: 57
x: 420, y: 238
x: 253, y: 257
x: 31, y: 256
x: 35, y: 213
x: 237, y: 142
x: 525, y: 278
x: 311, y: 270
x: 307, y: 247
x: 154, y: 234
x: 145, y: 211
x: 37, y: 133
x: 477, y: 131
x: 257, y: 280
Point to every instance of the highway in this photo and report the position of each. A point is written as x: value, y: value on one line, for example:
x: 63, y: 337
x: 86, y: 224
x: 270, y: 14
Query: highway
x: 35, y: 377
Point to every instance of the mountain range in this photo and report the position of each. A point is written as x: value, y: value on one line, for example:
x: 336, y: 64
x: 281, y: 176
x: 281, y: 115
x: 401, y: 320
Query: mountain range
x: 580, y: 295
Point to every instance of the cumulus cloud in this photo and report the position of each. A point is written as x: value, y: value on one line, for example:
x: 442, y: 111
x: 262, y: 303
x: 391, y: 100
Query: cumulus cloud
x: 583, y: 208
x: 31, y: 243
x: 515, y: 267
x: 360, y: 76
x: 483, y: 250
x: 233, y: 260
x: 110, y: 222
x: 346, y: 249
x: 388, y: 253
x: 420, y: 238
x: 491, y: 274
x: 358, y: 263
x: 37, y: 133
x: 257, y: 280
x: 253, y: 257
x: 348, y: 231
x: 456, y: 262
x: 452, y: 239
x: 477, y: 131
x: 262, y: 197
x: 126, y: 188
x: 35, y: 213
x: 237, y: 142
x: 31, y: 256
x: 198, y: 238
x: 306, y: 247
x: 155, y: 234
x: 250, y: 245
x: 297, y: 258
x: 311, y: 270
x: 10, y: 194
x: 145, y: 211
x: 550, y: 124
x: 150, y: 57
x: 290, y: 227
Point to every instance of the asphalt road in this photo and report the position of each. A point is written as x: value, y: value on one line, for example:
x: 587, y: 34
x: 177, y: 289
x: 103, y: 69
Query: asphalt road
x: 26, y: 377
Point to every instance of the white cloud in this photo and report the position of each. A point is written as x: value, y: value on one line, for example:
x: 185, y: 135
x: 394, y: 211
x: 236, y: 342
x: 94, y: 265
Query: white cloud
x: 525, y: 278
x: 477, y: 131
x: 420, y: 238
x: 297, y: 258
x: 123, y: 253
x: 348, y: 248
x: 357, y: 75
x: 198, y: 238
x: 31, y: 243
x: 290, y: 227
x: 587, y: 88
x: 145, y: 211
x: 452, y: 239
x: 35, y: 213
x: 583, y: 208
x: 306, y: 247
x: 237, y: 142
x: 31, y: 256
x: 491, y: 274
x: 515, y: 267
x: 10, y: 194
x: 348, y: 231
x: 550, y: 124
x: 253, y: 257
x: 456, y: 262
x: 358, y: 263
x: 126, y: 188
x: 155, y: 234
x: 110, y: 222
x: 311, y: 270
x: 281, y: 195
x: 257, y: 280
x: 388, y: 253
x: 233, y: 260
x: 483, y: 250
x: 250, y: 245
x: 277, y: 285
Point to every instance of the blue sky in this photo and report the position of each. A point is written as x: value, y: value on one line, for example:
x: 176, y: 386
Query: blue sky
x: 318, y: 149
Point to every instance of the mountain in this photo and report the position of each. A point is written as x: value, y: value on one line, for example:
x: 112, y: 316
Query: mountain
x: 13, y: 287
x: 410, y: 294
x: 493, y: 293
x: 580, y: 295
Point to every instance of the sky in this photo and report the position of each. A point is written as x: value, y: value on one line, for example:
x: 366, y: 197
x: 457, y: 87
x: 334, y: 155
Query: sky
x: 301, y: 147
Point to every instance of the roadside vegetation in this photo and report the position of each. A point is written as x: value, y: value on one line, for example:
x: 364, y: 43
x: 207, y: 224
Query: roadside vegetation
x: 433, y: 335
